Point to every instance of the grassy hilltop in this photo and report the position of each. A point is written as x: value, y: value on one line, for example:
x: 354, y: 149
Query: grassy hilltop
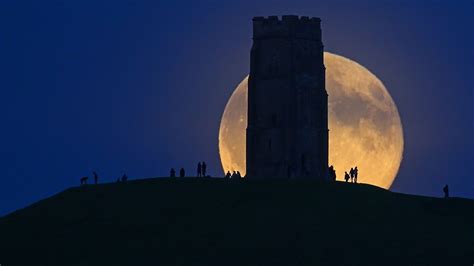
x: 249, y: 222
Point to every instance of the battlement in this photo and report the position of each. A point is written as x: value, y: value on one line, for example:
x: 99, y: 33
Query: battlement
x: 288, y: 26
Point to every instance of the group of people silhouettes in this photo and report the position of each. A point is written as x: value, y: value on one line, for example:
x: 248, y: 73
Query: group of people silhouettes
x: 182, y: 173
x: 201, y: 171
x: 352, y: 175
x: 84, y: 179
x: 235, y: 175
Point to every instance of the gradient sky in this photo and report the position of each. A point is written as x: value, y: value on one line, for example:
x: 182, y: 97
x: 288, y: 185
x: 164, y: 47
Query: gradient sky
x: 137, y: 87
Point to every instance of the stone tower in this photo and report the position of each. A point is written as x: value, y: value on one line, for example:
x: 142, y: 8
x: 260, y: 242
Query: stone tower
x: 287, y: 130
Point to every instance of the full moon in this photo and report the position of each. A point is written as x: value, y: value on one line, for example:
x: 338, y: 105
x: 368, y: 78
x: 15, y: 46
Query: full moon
x: 365, y: 129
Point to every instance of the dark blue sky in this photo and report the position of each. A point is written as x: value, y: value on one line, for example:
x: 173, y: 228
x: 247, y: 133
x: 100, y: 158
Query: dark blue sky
x: 137, y: 87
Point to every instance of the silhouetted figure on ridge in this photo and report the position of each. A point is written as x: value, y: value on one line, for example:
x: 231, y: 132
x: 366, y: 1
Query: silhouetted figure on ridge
x: 204, y: 166
x: 84, y: 180
x: 124, y: 178
x: 228, y: 175
x: 351, y: 173
x: 199, y: 170
x: 234, y: 175
x: 446, y: 191
x: 238, y: 175
x: 332, y: 173
x: 181, y: 172
x: 356, y: 172
x: 96, y: 178
x: 346, y: 176
x: 172, y: 172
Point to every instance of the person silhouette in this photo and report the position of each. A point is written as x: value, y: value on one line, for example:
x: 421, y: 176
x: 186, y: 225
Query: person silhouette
x: 124, y: 178
x: 346, y: 176
x: 446, y: 191
x: 356, y: 172
x: 199, y: 172
x: 204, y: 166
x: 332, y: 173
x: 84, y: 180
x: 96, y: 178
x: 234, y: 175
x: 238, y: 175
x: 227, y: 176
x: 351, y: 173
x: 181, y: 172
x: 172, y: 172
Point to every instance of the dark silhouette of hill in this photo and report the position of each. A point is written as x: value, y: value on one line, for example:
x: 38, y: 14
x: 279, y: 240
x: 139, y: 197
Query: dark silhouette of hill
x: 223, y: 222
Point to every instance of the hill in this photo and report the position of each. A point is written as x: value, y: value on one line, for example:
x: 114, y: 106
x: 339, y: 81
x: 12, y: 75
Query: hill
x: 193, y: 221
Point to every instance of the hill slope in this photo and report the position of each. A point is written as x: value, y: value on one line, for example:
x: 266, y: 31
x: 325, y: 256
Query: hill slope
x: 203, y: 222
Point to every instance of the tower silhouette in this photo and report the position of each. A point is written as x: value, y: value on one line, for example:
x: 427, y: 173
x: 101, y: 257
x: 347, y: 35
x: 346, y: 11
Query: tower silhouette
x: 287, y: 130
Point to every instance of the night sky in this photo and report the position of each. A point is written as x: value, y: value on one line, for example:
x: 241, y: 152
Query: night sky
x: 138, y: 87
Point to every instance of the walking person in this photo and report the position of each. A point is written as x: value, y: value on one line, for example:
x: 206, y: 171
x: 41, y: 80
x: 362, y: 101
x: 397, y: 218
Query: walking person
x: 181, y: 172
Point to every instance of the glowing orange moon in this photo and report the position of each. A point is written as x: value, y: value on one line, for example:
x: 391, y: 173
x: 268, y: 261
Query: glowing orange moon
x: 365, y: 129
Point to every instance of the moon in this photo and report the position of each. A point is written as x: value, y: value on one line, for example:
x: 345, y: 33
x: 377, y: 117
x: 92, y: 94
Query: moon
x: 365, y: 128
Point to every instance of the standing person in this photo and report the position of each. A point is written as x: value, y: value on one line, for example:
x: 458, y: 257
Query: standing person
x: 356, y: 172
x: 204, y: 166
x: 446, y: 191
x: 227, y: 176
x: 332, y: 173
x: 238, y: 175
x: 346, y: 176
x: 181, y: 172
x: 351, y: 173
x: 96, y: 178
x: 124, y: 178
x: 199, y: 170
x: 172, y: 172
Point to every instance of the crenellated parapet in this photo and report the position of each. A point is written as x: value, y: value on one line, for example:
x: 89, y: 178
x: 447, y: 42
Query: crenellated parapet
x: 288, y: 26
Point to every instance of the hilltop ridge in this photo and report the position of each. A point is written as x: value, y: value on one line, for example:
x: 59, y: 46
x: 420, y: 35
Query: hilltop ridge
x: 194, y: 221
